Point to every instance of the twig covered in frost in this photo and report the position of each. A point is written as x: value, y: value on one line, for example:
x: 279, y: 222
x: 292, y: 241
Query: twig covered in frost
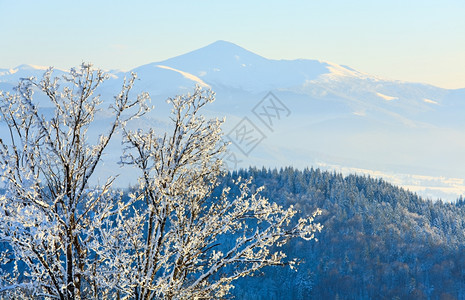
x: 48, y: 214
x: 171, y: 239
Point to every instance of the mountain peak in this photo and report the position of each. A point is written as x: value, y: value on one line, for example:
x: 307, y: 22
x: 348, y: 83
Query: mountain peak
x: 217, y: 52
x: 223, y: 43
x: 228, y: 64
x: 224, y: 46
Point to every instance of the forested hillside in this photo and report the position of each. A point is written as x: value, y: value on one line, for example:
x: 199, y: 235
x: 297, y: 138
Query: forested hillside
x: 378, y: 241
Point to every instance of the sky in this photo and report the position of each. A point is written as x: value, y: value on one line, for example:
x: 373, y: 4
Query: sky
x: 414, y: 40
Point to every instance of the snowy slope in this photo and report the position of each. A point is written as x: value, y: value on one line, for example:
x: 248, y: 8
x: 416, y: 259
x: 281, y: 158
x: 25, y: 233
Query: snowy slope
x: 332, y: 115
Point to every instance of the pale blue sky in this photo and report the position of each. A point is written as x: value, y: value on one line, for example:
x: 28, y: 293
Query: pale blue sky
x: 413, y: 40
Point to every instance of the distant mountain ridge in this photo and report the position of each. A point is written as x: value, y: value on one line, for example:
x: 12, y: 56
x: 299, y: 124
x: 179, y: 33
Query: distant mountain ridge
x: 339, y: 118
x: 226, y: 64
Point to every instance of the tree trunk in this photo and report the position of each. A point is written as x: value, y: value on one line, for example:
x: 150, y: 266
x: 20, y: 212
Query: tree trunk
x: 69, y: 272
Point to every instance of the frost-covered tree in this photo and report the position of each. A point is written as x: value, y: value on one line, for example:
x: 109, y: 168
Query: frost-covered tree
x: 193, y: 245
x: 48, y: 212
x: 171, y: 239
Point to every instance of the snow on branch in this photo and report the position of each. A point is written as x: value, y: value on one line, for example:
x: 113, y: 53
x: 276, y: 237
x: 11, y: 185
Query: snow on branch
x: 171, y: 239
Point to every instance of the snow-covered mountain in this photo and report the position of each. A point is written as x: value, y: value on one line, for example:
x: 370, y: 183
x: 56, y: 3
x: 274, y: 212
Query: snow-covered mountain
x: 319, y: 114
